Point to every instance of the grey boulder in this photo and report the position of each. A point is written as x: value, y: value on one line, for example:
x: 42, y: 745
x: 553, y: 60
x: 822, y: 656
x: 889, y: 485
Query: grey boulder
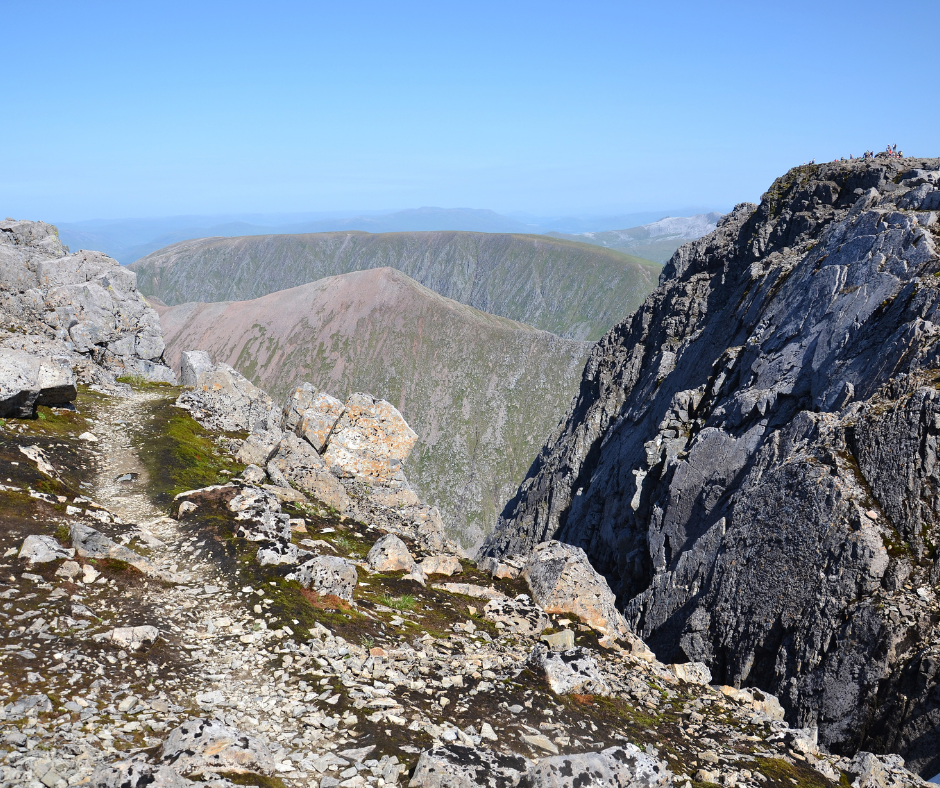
x: 43, y: 549
x: 626, y: 766
x: 327, y: 575
x: 572, y: 671
x: 28, y: 380
x: 136, y: 774
x: 205, y: 744
x: 457, y: 766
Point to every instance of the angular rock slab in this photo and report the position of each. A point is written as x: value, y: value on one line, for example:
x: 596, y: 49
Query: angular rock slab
x: 136, y: 774
x: 616, y: 767
x: 226, y: 400
x: 456, y: 766
x: 390, y: 554
x: 202, y: 745
x: 43, y: 549
x: 327, y: 574
x: 520, y: 615
x: 299, y: 464
x: 572, y: 671
x: 370, y: 441
x: 27, y: 380
x: 562, y: 580
x: 311, y: 414
x: 193, y: 364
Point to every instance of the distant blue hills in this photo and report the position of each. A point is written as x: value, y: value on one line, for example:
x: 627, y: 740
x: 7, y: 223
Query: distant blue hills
x: 127, y: 240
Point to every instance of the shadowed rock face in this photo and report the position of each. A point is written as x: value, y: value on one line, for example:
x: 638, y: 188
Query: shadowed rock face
x: 482, y: 392
x: 571, y: 289
x: 751, y: 458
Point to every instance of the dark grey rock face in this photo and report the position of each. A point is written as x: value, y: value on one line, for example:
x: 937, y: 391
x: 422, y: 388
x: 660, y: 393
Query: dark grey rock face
x: 751, y: 460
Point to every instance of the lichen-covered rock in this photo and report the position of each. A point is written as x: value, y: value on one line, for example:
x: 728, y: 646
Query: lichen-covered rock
x: 390, y: 554
x: 328, y: 574
x: 136, y: 774
x: 226, y: 400
x: 457, y: 766
x: 574, y: 670
x: 204, y: 745
x: 519, y: 615
x: 626, y: 766
x: 311, y: 414
x: 751, y: 458
x: 298, y: 463
x: 440, y: 565
x: 259, y: 447
x: 562, y: 580
x: 370, y: 441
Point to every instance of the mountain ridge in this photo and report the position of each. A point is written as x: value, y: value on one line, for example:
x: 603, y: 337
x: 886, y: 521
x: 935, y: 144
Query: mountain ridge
x: 482, y: 391
x: 574, y: 290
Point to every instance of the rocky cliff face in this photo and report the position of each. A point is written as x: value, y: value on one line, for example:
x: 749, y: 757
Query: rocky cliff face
x: 570, y: 289
x: 82, y: 307
x: 481, y: 391
x: 751, y: 458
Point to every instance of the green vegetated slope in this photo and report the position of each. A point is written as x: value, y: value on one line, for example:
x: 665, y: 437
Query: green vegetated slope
x: 575, y: 290
x: 482, y: 392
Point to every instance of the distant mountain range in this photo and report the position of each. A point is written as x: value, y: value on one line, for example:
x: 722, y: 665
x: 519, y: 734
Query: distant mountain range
x: 128, y: 240
x: 482, y: 391
x: 575, y: 290
x: 656, y: 241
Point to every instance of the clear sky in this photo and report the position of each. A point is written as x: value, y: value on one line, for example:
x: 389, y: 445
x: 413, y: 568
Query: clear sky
x: 148, y: 109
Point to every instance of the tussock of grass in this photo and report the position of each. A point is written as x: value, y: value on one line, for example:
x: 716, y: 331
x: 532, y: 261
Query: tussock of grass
x: 403, y: 602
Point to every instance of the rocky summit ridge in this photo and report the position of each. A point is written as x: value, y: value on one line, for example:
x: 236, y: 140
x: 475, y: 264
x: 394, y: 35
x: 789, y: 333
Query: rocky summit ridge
x: 751, y: 458
x: 202, y: 586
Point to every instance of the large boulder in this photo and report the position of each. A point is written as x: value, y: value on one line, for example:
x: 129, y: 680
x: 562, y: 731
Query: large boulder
x: 519, y: 615
x: 136, y: 774
x: 327, y: 575
x: 27, y: 380
x: 311, y: 414
x: 298, y: 463
x: 370, y: 441
x: 625, y: 766
x: 574, y: 670
x: 457, y: 766
x: 226, y: 400
x: 390, y: 554
x: 202, y: 745
x: 562, y: 580
x: 43, y: 549
x: 193, y: 364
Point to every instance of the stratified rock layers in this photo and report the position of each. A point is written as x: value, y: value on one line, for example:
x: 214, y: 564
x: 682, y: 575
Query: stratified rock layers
x: 751, y: 458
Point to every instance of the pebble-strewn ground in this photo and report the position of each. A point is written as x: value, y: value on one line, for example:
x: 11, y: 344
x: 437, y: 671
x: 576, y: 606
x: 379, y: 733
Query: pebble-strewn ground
x: 100, y: 660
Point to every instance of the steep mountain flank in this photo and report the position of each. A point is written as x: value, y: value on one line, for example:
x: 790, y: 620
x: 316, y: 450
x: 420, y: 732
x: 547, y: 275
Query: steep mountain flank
x: 751, y: 458
x: 656, y: 241
x: 482, y: 391
x: 573, y: 290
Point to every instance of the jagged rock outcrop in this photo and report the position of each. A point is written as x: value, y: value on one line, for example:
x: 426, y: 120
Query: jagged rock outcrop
x: 751, y: 459
x: 61, y: 311
x: 352, y: 461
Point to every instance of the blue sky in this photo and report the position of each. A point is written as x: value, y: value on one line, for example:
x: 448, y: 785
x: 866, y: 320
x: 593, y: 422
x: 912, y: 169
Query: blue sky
x: 134, y: 109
